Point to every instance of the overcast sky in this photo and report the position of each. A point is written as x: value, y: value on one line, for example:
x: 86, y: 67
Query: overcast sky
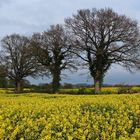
x: 28, y: 16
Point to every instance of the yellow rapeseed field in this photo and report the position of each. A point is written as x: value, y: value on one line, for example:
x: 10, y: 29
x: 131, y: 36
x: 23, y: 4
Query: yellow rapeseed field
x: 69, y: 117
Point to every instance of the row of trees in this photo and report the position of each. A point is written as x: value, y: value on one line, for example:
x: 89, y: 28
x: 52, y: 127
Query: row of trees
x: 93, y: 38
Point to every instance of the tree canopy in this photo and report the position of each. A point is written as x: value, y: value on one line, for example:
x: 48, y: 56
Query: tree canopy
x: 18, y: 59
x: 103, y: 37
x: 52, y: 50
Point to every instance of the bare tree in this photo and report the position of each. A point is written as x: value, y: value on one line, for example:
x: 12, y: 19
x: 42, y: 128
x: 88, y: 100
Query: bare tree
x: 102, y: 37
x: 18, y: 59
x: 52, y: 49
x: 3, y: 77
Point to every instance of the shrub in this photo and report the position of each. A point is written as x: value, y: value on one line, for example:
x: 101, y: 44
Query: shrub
x: 86, y: 91
x: 125, y: 89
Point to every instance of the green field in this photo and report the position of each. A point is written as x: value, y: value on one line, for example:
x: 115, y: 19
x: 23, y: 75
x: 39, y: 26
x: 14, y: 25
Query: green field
x: 34, y: 116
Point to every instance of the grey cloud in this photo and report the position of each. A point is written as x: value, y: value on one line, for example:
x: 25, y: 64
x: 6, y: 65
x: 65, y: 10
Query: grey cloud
x: 2, y: 2
x: 119, y: 75
x: 8, y: 26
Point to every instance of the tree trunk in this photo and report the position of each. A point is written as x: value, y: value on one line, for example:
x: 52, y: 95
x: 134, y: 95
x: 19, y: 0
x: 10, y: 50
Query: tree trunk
x: 98, y: 79
x: 97, y: 86
x: 56, y: 81
x: 18, y: 86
